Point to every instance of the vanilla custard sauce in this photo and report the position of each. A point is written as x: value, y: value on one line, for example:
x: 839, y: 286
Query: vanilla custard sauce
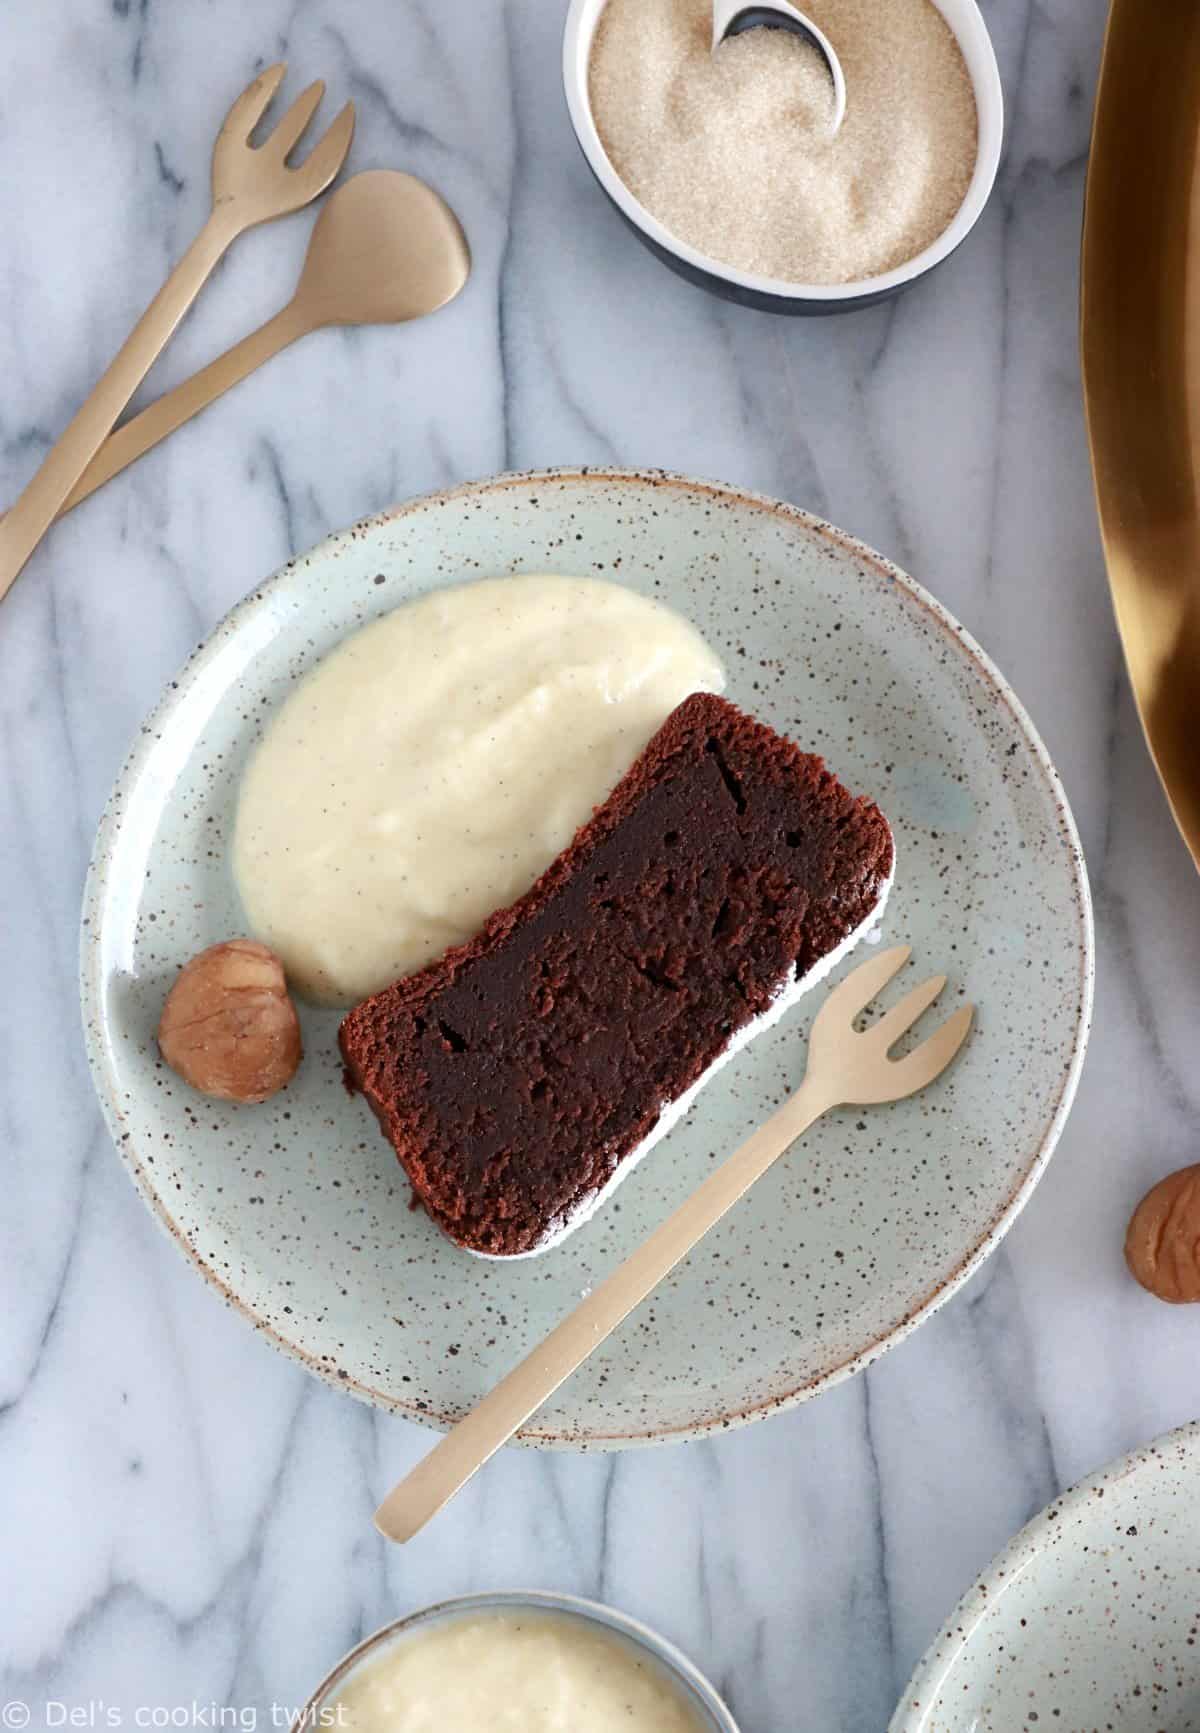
x: 426, y: 771
x: 505, y: 1672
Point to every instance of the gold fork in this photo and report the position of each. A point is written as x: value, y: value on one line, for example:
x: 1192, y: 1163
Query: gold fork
x: 845, y: 1067
x: 250, y: 184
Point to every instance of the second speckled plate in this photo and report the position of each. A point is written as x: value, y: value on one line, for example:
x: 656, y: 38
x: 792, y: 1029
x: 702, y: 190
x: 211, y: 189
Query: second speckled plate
x: 1089, y: 1619
x: 297, y: 1210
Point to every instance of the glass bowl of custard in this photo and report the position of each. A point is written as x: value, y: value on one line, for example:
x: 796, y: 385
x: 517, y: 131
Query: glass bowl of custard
x: 496, y: 1663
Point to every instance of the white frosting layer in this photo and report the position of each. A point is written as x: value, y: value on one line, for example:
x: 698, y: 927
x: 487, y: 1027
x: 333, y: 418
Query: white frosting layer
x: 674, y: 1111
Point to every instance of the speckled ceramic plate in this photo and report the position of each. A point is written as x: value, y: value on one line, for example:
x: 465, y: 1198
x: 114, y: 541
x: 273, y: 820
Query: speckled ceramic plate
x: 1090, y: 1619
x: 298, y: 1211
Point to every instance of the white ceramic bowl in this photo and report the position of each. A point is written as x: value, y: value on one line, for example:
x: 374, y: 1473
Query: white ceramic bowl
x: 711, y: 1713
x: 774, y: 294
x: 1088, y: 1619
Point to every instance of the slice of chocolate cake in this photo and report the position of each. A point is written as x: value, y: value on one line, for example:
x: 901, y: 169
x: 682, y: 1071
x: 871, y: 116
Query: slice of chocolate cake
x: 520, y: 1075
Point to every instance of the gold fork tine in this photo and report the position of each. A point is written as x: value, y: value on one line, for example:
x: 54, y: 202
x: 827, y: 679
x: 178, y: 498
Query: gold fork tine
x: 327, y: 155
x: 253, y: 103
x: 855, y: 993
x: 900, y: 1019
x: 290, y: 128
x: 930, y: 1059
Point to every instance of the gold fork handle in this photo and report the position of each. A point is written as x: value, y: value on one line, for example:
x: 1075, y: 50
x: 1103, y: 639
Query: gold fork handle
x: 452, y: 1462
x: 144, y: 430
x: 25, y: 525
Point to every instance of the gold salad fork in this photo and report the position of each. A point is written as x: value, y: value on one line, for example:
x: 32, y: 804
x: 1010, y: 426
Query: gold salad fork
x: 846, y: 1067
x: 250, y: 184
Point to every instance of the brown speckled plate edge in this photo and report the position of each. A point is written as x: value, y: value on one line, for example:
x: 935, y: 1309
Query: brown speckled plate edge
x: 92, y: 985
x: 1073, y: 1522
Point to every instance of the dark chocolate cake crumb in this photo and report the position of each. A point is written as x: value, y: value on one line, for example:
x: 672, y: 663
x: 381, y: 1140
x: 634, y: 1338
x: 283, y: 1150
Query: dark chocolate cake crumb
x: 516, y: 1073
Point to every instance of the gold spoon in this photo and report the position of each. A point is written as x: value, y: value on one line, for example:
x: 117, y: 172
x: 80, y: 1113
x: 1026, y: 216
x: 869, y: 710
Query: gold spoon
x: 384, y: 249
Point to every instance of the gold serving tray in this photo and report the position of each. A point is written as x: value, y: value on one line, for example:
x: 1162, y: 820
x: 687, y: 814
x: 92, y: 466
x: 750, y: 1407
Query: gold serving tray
x: 1140, y: 341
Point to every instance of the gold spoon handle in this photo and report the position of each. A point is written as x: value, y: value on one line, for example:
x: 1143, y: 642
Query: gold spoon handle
x: 24, y: 526
x: 450, y: 1464
x: 144, y: 430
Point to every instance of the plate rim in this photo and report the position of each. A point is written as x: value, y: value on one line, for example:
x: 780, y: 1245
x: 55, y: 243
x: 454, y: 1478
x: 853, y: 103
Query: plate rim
x: 990, y: 1586
x: 91, y: 985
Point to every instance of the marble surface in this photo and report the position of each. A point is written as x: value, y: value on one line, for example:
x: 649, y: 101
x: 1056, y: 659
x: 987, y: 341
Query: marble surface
x: 184, y: 1516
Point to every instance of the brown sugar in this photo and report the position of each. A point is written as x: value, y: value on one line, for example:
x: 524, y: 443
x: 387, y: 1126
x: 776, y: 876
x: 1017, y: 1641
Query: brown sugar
x: 732, y: 151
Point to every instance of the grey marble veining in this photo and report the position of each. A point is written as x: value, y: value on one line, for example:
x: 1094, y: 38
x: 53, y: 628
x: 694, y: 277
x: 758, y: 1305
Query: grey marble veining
x: 184, y: 1515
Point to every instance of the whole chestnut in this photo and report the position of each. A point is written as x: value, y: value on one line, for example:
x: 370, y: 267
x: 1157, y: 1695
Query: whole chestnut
x: 228, y: 1026
x: 1162, y: 1246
